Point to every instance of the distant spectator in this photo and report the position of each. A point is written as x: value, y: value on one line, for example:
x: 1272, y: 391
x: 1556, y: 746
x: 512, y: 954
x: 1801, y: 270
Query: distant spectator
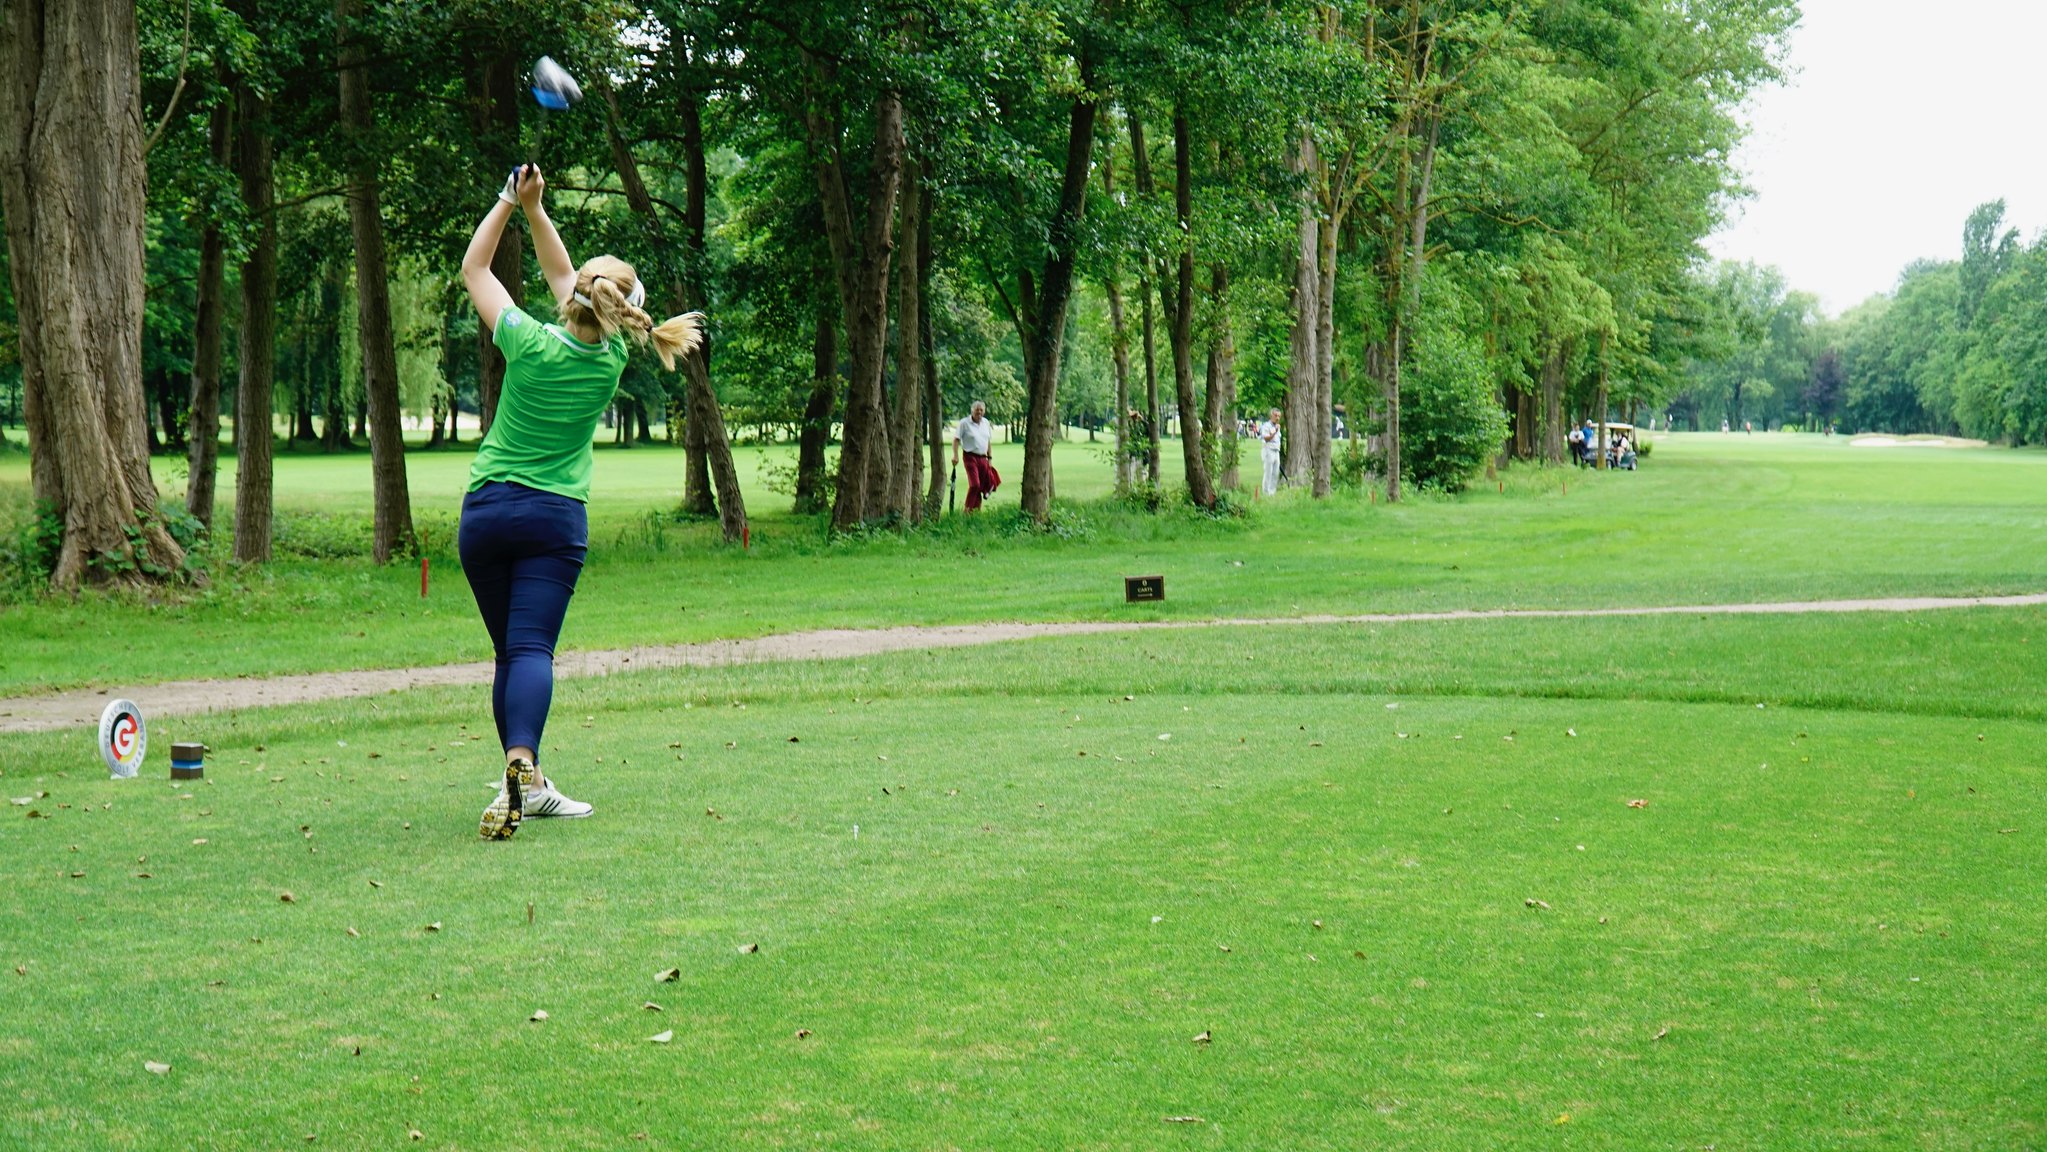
x: 970, y: 439
x: 1268, y: 450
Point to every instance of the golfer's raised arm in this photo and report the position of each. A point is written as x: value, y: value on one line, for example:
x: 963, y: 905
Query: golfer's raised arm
x: 547, y: 243
x: 485, y: 292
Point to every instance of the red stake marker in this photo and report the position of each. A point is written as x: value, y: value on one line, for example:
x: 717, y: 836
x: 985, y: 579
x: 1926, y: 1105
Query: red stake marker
x: 746, y: 537
x: 422, y: 577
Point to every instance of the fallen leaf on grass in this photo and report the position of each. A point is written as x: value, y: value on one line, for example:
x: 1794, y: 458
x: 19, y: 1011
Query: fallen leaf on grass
x: 748, y: 949
x: 434, y: 927
x: 1165, y: 735
x: 286, y: 898
x: 1660, y: 1033
x: 1224, y: 947
x: 376, y: 883
x: 21, y: 969
x: 1638, y: 803
x: 353, y: 934
x: 1532, y: 902
x: 145, y: 876
x: 155, y: 1069
x: 803, y: 1033
x: 199, y: 841
x: 2006, y: 831
x: 662, y: 1037
x: 650, y: 1006
x: 794, y: 740
x: 1202, y: 1038
x: 668, y: 976
x: 539, y: 1016
x: 1565, y: 1117
x: 1185, y: 1120
x: 1316, y: 923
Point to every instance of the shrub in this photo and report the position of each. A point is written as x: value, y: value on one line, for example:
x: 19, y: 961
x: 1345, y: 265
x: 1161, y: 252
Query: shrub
x: 1450, y: 422
x: 29, y: 539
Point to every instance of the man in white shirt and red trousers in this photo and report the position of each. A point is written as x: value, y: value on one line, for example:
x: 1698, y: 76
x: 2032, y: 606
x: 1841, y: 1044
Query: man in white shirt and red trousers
x: 971, y: 440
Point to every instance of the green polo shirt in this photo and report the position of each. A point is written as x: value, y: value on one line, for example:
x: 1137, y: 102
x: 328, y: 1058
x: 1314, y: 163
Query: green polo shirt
x: 556, y: 390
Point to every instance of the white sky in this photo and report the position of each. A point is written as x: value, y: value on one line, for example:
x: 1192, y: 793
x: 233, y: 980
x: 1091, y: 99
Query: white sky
x: 1899, y: 118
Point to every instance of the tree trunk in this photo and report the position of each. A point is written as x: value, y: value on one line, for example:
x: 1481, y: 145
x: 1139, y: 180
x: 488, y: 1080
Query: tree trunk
x: 934, y: 400
x: 1553, y: 402
x: 1304, y: 358
x: 204, y: 456
x: 258, y: 354
x: 494, y: 109
x: 1140, y: 158
x: 905, y: 437
x: 708, y: 459
x: 816, y: 432
x: 704, y: 414
x: 1199, y: 488
x: 393, y: 515
x: 1212, y: 381
x: 862, y: 263
x: 1119, y: 351
x: 1048, y: 330
x: 1319, y: 428
x: 71, y: 188
x: 697, y: 498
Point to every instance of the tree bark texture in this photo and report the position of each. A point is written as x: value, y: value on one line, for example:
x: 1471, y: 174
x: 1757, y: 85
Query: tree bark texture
x: 905, y: 438
x: 71, y: 186
x: 1119, y: 354
x: 1553, y: 435
x: 203, y: 448
x: 861, y: 260
x: 393, y: 503
x: 1048, y: 330
x: 816, y: 431
x: 1200, y: 489
x: 934, y: 400
x: 1304, y: 357
x: 258, y: 353
x: 1140, y: 160
x: 494, y: 103
x: 1319, y: 430
x: 1224, y: 357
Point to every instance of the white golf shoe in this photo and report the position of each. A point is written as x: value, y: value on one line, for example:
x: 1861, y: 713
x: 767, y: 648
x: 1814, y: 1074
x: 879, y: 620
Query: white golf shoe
x: 546, y: 800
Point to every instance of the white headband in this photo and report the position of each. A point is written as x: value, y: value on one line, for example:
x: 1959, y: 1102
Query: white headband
x: 637, y: 297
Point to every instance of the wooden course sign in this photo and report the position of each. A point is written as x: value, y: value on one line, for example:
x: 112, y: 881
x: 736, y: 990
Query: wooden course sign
x: 1137, y: 588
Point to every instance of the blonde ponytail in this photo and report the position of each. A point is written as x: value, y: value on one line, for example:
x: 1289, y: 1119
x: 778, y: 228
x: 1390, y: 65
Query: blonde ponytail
x: 600, y: 299
x: 677, y: 336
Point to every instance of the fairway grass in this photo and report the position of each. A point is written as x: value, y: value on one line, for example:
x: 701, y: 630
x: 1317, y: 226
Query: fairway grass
x: 1390, y: 872
x: 1710, y: 519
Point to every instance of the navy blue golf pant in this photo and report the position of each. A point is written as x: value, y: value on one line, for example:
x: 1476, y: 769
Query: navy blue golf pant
x: 522, y: 550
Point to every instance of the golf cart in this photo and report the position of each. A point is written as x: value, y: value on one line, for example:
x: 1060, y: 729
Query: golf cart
x: 1623, y: 460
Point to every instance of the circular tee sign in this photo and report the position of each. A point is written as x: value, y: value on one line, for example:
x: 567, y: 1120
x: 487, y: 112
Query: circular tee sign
x: 123, y: 740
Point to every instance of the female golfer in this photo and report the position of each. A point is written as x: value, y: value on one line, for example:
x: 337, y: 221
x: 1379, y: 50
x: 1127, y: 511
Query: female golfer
x: 524, y: 527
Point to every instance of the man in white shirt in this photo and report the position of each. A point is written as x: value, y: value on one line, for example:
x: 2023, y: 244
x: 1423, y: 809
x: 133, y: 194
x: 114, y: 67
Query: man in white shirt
x: 1268, y: 450
x: 970, y: 439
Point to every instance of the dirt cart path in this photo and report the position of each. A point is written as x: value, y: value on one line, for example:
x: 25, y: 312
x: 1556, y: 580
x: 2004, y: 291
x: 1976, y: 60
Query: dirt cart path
x: 187, y: 697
